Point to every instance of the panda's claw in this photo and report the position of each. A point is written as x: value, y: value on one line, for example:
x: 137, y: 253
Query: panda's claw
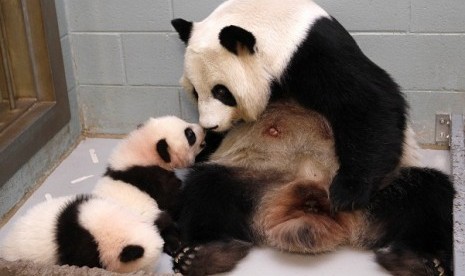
x: 183, y: 261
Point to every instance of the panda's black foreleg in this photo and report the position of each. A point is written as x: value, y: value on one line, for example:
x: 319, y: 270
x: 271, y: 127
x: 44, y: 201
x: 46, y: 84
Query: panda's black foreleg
x: 170, y: 233
x: 212, y: 141
x: 210, y: 258
x: 368, y: 152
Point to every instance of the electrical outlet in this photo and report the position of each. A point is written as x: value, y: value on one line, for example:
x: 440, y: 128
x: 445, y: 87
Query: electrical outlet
x: 442, y: 131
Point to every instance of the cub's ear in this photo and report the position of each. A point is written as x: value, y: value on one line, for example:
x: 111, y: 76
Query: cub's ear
x: 183, y: 27
x: 236, y: 39
x: 162, y: 149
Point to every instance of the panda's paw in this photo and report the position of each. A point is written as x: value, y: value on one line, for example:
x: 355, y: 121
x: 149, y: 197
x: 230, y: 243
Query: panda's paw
x: 347, y: 193
x: 183, y: 260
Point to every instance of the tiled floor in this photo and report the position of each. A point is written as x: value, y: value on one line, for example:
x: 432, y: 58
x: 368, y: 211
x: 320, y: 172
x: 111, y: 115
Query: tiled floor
x: 79, y: 172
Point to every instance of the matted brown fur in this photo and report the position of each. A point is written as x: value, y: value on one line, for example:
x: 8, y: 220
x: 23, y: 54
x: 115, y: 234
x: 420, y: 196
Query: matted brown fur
x: 296, y: 217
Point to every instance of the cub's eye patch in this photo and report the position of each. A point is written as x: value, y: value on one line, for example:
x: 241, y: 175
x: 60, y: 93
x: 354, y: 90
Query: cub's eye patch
x: 222, y: 94
x: 190, y: 136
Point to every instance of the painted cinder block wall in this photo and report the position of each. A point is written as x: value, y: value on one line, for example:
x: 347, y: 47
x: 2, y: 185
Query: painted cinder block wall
x: 127, y: 58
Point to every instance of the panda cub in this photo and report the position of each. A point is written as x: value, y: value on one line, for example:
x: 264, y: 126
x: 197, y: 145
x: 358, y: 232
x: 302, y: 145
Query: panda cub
x: 84, y: 230
x: 141, y: 173
x: 121, y: 226
x: 268, y: 184
x: 247, y: 53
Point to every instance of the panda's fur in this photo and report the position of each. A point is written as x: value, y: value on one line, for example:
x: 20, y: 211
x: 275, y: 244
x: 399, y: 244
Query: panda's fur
x: 122, y: 226
x: 141, y: 173
x: 249, y: 52
x: 268, y: 182
x: 84, y: 230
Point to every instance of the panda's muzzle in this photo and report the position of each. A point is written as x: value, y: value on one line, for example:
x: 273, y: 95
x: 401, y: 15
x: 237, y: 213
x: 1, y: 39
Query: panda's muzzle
x: 211, y: 128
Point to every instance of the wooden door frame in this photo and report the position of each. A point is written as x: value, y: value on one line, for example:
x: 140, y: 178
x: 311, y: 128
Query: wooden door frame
x: 21, y: 140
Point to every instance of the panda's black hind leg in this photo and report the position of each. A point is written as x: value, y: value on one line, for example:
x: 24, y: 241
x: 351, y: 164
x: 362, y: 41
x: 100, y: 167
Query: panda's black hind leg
x: 414, y: 217
x: 211, y: 258
x: 400, y: 260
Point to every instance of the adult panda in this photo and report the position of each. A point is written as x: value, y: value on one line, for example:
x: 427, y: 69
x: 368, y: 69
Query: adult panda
x: 268, y: 182
x: 248, y: 52
x: 122, y: 226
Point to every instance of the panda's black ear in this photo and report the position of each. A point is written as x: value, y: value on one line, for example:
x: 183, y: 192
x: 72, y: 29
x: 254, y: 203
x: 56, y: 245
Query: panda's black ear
x: 183, y: 27
x: 235, y: 39
x: 162, y: 149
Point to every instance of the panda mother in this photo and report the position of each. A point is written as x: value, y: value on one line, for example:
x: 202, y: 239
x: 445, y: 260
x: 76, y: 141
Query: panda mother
x: 249, y: 52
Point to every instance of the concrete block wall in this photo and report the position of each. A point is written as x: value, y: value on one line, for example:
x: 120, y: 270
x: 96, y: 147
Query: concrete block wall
x: 127, y: 59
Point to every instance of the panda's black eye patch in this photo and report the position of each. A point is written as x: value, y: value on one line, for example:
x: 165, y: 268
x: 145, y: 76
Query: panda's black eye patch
x: 222, y: 94
x: 196, y: 95
x: 190, y: 136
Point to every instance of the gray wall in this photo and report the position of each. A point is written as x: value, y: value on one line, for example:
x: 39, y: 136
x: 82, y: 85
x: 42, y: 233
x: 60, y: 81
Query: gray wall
x: 127, y: 59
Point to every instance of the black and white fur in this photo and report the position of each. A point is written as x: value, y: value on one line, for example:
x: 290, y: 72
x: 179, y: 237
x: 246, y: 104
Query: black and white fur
x: 268, y: 182
x: 122, y: 226
x: 141, y: 173
x: 84, y: 230
x: 248, y: 52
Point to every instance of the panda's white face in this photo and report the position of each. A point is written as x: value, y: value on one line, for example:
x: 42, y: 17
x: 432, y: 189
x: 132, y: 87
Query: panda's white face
x: 168, y: 142
x: 244, y: 46
x: 228, y: 88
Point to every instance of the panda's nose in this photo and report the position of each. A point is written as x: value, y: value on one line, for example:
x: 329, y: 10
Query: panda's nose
x: 211, y: 128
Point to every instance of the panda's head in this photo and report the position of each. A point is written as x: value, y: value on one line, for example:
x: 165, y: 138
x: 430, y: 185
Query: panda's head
x: 223, y: 73
x: 168, y: 142
x: 236, y: 55
x: 123, y: 240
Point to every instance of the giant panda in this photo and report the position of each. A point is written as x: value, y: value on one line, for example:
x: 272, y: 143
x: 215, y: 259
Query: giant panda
x: 247, y: 53
x: 84, y: 230
x: 122, y: 226
x: 268, y: 184
x: 141, y: 175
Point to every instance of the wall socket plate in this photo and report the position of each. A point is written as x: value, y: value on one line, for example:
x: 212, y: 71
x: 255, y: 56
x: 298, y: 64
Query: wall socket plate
x: 443, y: 129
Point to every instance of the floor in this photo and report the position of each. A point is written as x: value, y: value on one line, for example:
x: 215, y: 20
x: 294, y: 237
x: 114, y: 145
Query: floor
x: 79, y: 172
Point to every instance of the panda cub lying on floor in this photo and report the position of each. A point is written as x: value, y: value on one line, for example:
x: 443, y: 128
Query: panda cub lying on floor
x: 268, y: 182
x: 120, y: 226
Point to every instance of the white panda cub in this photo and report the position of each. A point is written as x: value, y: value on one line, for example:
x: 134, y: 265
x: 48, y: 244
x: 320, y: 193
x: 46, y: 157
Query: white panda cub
x: 84, y: 230
x: 120, y: 227
x: 141, y: 176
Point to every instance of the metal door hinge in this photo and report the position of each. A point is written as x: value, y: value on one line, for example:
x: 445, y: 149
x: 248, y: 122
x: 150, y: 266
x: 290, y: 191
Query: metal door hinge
x: 442, y: 132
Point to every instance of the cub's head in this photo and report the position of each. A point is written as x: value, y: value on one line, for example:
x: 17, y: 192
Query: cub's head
x: 168, y: 142
x: 130, y: 244
x: 223, y: 73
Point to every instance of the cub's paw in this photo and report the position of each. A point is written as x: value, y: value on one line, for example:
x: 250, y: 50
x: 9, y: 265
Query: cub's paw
x: 182, y: 261
x: 348, y: 194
